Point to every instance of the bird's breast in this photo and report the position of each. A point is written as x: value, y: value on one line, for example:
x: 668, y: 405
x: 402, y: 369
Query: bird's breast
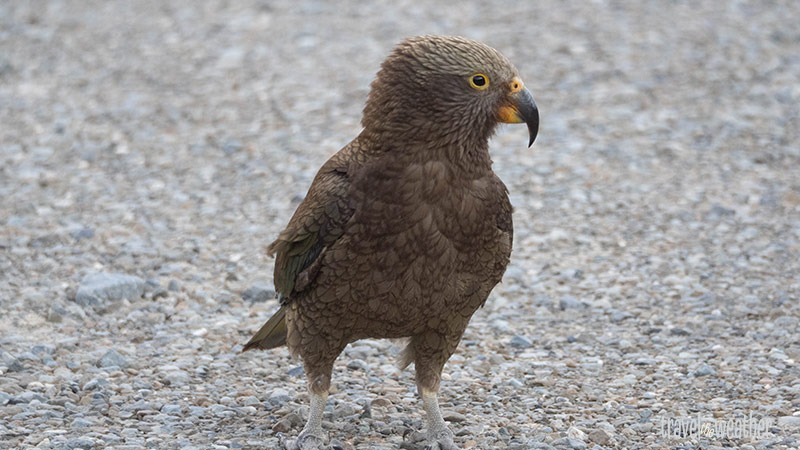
x: 426, y: 211
x: 423, y: 242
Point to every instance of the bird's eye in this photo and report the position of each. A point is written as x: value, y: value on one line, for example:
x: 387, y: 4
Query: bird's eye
x: 479, y: 81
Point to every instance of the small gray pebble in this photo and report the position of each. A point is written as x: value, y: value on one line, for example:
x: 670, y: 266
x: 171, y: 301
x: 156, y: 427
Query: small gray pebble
x: 789, y: 421
x: 536, y: 445
x: 83, y: 233
x: 173, y: 285
x: 513, y: 382
x: 112, y: 358
x: 599, y: 437
x: 343, y: 410
x: 520, y: 342
x: 82, y: 443
x: 503, y: 433
x: 151, y: 283
x: 39, y: 349
x: 452, y: 416
x: 570, y: 302
x: 98, y: 287
x: 358, y: 364
x: 95, y: 383
x: 279, y: 396
x: 12, y: 363
x: 570, y: 442
x: 197, y: 411
x: 231, y: 146
x: 80, y: 423
x: 172, y: 409
x: 704, y: 370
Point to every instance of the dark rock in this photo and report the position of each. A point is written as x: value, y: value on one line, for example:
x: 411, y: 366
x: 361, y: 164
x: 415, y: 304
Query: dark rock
x: 282, y: 426
x: 173, y: 285
x: 718, y: 211
x: 679, y: 331
x: 452, y: 416
x: 258, y: 293
x: 645, y: 361
x: 12, y: 363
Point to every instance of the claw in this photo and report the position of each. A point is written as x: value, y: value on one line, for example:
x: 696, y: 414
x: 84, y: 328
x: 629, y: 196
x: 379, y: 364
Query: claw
x: 442, y: 445
x: 306, y: 441
x: 441, y: 440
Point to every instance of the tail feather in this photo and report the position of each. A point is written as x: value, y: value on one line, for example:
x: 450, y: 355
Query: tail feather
x: 272, y: 334
x: 407, y: 356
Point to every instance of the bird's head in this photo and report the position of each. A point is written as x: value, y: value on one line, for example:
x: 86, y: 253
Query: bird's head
x: 447, y: 91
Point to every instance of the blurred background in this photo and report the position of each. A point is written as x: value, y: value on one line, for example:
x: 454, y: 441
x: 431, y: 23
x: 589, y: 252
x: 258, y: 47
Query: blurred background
x: 165, y: 144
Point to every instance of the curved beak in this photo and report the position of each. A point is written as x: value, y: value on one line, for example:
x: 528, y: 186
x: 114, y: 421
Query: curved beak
x: 521, y: 108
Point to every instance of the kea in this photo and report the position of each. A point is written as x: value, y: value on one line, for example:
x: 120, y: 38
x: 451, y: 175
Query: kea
x: 405, y: 230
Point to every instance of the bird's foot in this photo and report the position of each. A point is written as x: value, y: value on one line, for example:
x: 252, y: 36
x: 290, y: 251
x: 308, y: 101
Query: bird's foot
x: 441, y: 440
x: 309, y: 441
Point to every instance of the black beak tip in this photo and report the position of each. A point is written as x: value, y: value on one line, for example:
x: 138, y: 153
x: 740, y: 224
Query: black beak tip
x: 533, y: 127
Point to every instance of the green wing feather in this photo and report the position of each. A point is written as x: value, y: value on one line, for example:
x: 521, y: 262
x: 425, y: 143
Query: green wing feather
x: 272, y: 334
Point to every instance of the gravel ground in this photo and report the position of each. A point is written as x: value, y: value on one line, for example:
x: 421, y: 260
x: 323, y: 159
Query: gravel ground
x: 151, y: 150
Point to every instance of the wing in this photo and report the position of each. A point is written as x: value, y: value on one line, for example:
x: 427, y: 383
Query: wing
x: 316, y: 224
x: 504, y: 211
x: 504, y: 220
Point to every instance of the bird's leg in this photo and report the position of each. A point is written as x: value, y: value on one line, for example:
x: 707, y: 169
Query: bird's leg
x: 313, y: 429
x: 431, y: 351
x: 313, y: 437
x: 439, y: 435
